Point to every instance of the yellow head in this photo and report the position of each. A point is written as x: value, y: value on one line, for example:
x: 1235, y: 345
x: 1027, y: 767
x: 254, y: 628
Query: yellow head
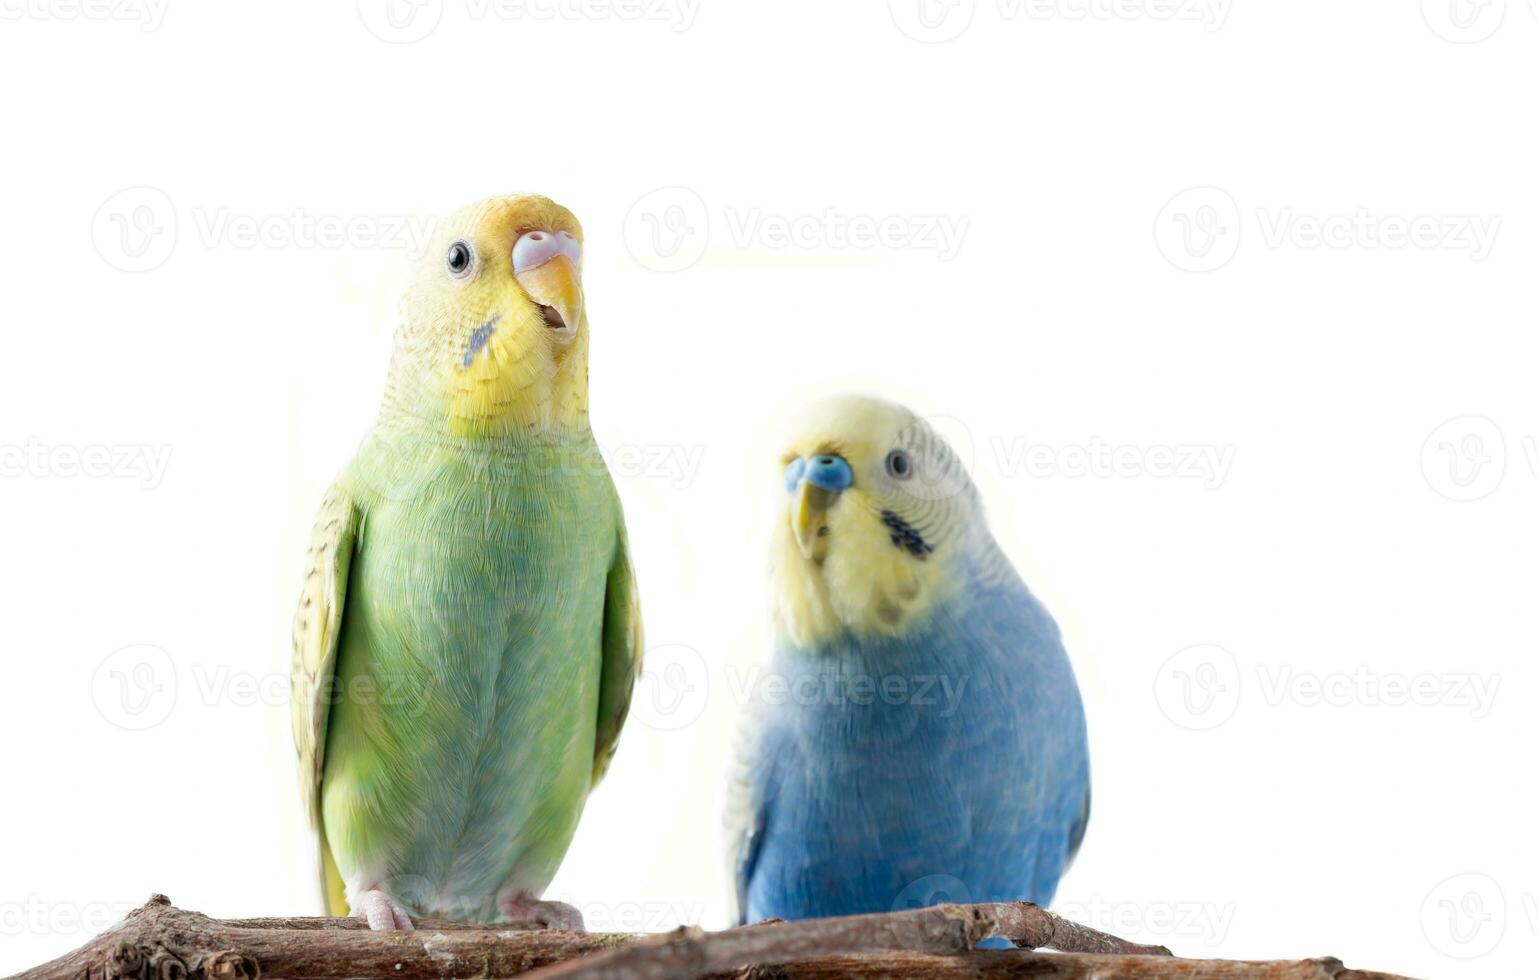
x: 493, y: 336
x: 877, y: 510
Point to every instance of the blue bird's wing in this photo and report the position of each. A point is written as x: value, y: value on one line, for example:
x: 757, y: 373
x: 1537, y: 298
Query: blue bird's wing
x: 744, y: 817
x: 1076, y: 835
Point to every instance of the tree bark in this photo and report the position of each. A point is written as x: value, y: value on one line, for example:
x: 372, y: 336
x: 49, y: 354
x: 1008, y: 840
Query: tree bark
x: 161, y: 942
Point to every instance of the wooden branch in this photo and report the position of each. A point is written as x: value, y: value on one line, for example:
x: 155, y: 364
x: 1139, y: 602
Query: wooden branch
x: 941, y: 929
x: 160, y: 942
x: 987, y: 964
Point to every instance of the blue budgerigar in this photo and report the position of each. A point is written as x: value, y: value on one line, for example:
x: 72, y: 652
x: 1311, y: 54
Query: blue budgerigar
x: 920, y: 736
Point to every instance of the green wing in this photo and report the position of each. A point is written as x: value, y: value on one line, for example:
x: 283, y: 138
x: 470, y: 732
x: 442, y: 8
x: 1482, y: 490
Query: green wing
x: 317, y: 627
x: 622, y: 647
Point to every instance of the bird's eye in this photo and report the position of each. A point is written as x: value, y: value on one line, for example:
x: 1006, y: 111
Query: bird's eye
x: 899, y: 464
x: 459, y: 260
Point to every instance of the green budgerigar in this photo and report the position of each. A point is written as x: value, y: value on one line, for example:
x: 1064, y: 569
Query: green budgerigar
x: 468, y: 633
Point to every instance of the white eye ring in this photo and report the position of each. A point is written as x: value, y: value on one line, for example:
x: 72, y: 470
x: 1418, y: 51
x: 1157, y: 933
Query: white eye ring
x: 899, y: 465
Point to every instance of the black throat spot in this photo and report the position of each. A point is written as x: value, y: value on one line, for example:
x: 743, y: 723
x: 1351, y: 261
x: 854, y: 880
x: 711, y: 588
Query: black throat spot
x: 905, y: 537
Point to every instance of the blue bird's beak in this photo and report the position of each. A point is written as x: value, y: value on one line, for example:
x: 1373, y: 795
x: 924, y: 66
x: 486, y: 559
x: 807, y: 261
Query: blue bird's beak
x: 817, y: 483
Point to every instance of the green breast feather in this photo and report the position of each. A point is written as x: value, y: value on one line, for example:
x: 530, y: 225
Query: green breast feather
x: 483, y: 667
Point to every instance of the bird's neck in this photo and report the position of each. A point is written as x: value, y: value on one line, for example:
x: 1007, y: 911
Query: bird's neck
x: 544, y: 403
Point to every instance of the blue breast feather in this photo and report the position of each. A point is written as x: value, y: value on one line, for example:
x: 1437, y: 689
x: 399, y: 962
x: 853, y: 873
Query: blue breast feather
x: 949, y: 765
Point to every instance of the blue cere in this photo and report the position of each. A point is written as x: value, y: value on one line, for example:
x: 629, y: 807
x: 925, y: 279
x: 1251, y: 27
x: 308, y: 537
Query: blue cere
x: 794, y: 472
x: 830, y: 472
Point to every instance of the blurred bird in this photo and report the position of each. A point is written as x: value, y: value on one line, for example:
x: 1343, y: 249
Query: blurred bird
x: 468, y: 634
x: 924, y: 740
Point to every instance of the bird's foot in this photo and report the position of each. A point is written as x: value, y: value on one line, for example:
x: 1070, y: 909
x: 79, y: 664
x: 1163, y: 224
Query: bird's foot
x: 383, y: 913
x: 551, y: 915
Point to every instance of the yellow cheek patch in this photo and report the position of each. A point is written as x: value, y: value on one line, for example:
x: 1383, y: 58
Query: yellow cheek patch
x: 866, y: 584
x: 803, y: 611
x: 504, y: 377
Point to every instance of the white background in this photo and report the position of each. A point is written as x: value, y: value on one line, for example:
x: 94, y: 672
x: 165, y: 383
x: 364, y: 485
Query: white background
x: 1319, y: 775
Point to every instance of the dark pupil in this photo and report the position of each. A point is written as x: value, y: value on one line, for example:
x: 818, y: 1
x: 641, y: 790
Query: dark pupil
x: 900, y: 464
x: 459, y: 258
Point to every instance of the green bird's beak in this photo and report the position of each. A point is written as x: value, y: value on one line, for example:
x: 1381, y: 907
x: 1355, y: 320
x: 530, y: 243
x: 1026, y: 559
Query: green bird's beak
x: 556, y: 285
